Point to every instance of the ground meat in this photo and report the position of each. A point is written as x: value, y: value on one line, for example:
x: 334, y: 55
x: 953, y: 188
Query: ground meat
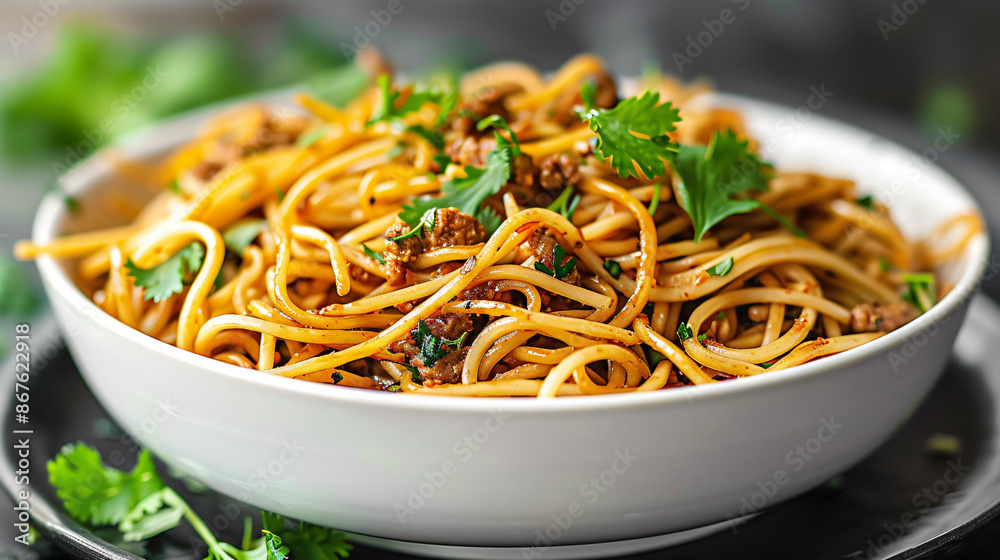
x: 870, y: 317
x: 543, y: 247
x: 274, y: 131
x: 483, y: 103
x: 448, y: 369
x: 556, y: 171
x: 605, y: 97
x: 451, y: 228
x: 471, y: 150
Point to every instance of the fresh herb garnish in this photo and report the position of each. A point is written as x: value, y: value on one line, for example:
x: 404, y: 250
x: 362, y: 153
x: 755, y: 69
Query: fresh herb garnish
x: 387, y: 110
x: 920, y: 291
x: 170, y: 276
x: 468, y: 193
x: 878, y: 323
x: 884, y: 265
x: 336, y: 377
x: 721, y: 316
x: 684, y: 332
x: 561, y: 269
x: 72, y: 204
x: 714, y: 182
x: 443, y: 161
x: 379, y: 257
x: 633, y: 133
x: 238, y: 237
x: 281, y: 194
x: 766, y: 365
x: 702, y: 337
x: 432, y: 136
x: 722, y: 268
x: 432, y: 348
x: 613, y: 268
x: 655, y: 203
x: 497, y: 121
x: 426, y: 222
x: 560, y: 203
x: 299, y: 540
x: 175, y: 187
x: 866, y: 202
x: 653, y: 357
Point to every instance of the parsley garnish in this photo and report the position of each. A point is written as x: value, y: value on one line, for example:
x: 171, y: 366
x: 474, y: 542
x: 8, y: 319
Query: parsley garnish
x: 168, y: 278
x: 560, y: 203
x: 239, y: 236
x: 468, y: 193
x: 920, y: 290
x: 866, y: 202
x: 722, y: 268
x: 387, y: 110
x: 617, y: 131
x: 613, y: 268
x: 141, y: 506
x: 561, y: 269
x: 715, y: 181
x: 702, y: 337
x: 655, y: 203
x: 379, y: 257
x: 684, y: 332
x: 426, y: 222
x: 432, y: 348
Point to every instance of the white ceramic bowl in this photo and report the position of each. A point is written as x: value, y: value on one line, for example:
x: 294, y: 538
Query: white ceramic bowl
x: 508, y: 473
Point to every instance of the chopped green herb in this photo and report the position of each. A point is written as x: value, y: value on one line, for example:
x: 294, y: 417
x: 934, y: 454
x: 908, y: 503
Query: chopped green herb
x: 714, y: 182
x: 432, y: 348
x: 170, y: 276
x: 426, y: 223
x: 766, y: 365
x: 722, y: 268
x: 379, y: 257
x: 175, y: 187
x: 337, y: 377
x: 304, y: 541
x: 468, y: 193
x: 920, y: 291
x: 239, y: 236
x: 394, y: 388
x: 754, y: 282
x: 562, y: 269
x: 414, y: 373
x: 72, y: 204
x: 560, y: 203
x: 653, y: 357
x: 721, y: 316
x: 395, y: 151
x: 457, y: 343
x: 443, y: 161
x: 613, y: 268
x: 878, y: 323
x: 702, y: 337
x: 655, y: 203
x: 633, y: 133
x: 432, y: 136
x: 684, y: 332
x: 387, y: 110
x: 309, y: 138
x: 497, y: 121
x: 884, y: 265
x: 866, y: 202
x: 281, y: 194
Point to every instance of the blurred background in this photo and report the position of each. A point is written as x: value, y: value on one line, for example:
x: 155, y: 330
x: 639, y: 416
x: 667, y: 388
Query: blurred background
x: 77, y: 74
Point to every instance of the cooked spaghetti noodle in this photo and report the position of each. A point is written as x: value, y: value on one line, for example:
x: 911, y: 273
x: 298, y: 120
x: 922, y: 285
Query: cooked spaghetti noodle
x: 279, y: 246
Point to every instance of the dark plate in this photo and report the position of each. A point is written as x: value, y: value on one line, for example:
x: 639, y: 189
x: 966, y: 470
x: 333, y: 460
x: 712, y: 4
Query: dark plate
x: 902, y: 502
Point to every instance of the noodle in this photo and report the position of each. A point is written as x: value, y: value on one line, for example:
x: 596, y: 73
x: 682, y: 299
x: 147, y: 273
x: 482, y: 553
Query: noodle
x: 590, y: 283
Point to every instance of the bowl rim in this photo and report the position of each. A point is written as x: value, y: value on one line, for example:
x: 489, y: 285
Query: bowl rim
x: 152, y: 140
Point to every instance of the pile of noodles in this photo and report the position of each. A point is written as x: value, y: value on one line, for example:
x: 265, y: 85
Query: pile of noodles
x: 306, y: 301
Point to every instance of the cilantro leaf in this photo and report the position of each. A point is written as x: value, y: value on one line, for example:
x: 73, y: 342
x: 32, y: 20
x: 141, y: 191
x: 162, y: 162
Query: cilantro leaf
x: 714, y: 180
x: 168, y: 278
x: 560, y: 203
x: 432, y: 136
x: 655, y: 203
x: 866, y: 202
x: 302, y: 541
x: 490, y: 219
x: 96, y: 494
x: 309, y: 138
x: 150, y: 517
x: 684, y: 332
x: 498, y: 122
x: 432, y: 348
x: 633, y: 133
x: 239, y: 236
x: 175, y: 187
x: 613, y: 268
x: 379, y: 257
x: 387, y: 110
x: 468, y: 193
x: 426, y: 223
x: 920, y: 291
x: 722, y: 268
x: 272, y: 544
x: 562, y: 269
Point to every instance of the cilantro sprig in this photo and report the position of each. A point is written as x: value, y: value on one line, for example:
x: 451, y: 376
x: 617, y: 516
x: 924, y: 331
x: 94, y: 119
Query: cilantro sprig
x: 920, y: 291
x: 633, y: 133
x: 141, y: 506
x: 564, y: 205
x: 613, y: 268
x: 387, y: 109
x: 170, y: 276
x: 562, y: 269
x: 432, y: 348
x: 379, y: 257
x: 722, y: 268
x: 426, y: 223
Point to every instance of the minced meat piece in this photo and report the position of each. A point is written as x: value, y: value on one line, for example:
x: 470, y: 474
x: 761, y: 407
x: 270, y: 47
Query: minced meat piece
x: 871, y: 317
x: 557, y: 171
x: 543, y: 246
x: 471, y: 150
x: 451, y: 228
x: 448, y: 369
